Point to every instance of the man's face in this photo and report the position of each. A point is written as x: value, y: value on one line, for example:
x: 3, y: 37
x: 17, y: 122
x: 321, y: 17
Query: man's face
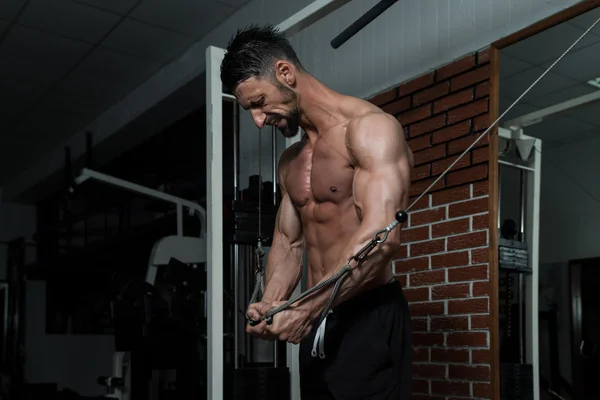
x: 270, y: 103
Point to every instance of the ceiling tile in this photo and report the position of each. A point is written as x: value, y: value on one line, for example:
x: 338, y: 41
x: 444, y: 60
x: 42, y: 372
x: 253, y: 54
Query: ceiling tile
x: 26, y: 69
x: 16, y: 100
x: 549, y: 44
x: 16, y: 87
x: 233, y: 3
x: 57, y: 122
x: 62, y: 17
x: 189, y: 17
x: 117, y: 66
x: 147, y: 41
x: 120, y: 7
x: 562, y: 129
x: 10, y: 8
x: 55, y: 53
x: 85, y: 92
x: 560, y: 96
x: 3, y: 26
x: 584, y: 21
x: 510, y: 65
x: 588, y: 113
x: 582, y: 65
x: 518, y: 110
x: 514, y: 86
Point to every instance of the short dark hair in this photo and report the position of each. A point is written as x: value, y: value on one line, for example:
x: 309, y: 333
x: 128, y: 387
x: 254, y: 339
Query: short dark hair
x: 252, y: 52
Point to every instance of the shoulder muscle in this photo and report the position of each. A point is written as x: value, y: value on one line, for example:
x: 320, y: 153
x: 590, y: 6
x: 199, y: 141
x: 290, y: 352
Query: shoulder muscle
x: 375, y: 138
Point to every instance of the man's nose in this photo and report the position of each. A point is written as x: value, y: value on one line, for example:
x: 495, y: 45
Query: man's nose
x: 259, y: 118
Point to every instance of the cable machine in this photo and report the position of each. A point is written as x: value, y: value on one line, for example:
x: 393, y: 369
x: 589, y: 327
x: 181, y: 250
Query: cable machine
x: 254, y: 213
x: 518, y: 260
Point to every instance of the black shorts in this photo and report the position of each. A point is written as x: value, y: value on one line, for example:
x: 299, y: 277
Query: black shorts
x: 366, y: 352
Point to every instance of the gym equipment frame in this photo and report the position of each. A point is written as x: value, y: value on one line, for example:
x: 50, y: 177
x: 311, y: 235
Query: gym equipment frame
x: 528, y: 162
x: 157, y: 194
x: 214, y: 174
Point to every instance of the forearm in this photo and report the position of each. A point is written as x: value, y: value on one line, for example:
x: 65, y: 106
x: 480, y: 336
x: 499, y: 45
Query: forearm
x: 283, y: 271
x: 363, y: 275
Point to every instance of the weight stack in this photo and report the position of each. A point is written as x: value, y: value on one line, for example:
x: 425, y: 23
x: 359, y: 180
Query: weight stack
x: 513, y: 254
x: 261, y: 383
x: 516, y: 381
x: 246, y: 223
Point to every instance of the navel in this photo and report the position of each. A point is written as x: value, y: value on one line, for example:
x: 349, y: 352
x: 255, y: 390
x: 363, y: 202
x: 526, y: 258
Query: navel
x: 333, y: 189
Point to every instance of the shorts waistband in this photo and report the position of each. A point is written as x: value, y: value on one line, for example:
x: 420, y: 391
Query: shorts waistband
x: 376, y: 296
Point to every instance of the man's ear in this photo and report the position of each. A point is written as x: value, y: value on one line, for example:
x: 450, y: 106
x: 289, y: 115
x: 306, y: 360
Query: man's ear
x: 285, y: 73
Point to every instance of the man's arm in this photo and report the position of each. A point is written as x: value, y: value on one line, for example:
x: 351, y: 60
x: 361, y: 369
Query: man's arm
x: 381, y: 188
x: 284, y: 261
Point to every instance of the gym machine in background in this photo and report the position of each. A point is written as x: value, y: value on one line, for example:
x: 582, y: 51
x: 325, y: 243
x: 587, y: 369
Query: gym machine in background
x: 258, y: 371
x: 518, y: 260
x: 160, y: 327
x: 160, y: 323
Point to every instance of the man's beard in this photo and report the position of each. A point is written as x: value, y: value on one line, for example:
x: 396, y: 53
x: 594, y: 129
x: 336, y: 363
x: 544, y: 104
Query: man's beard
x: 292, y: 118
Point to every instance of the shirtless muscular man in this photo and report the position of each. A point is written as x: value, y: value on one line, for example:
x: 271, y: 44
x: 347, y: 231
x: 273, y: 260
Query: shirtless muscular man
x: 342, y: 182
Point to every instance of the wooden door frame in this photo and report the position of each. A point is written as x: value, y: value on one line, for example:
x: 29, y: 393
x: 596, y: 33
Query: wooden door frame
x: 540, y: 26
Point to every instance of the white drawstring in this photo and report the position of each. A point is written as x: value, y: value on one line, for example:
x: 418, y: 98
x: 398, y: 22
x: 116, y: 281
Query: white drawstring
x: 320, y: 339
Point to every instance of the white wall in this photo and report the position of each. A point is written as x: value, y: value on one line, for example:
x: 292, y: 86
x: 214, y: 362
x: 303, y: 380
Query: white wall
x: 410, y: 38
x: 72, y: 361
x: 570, y: 209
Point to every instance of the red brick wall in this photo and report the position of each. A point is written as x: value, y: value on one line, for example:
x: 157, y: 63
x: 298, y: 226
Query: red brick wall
x: 444, y: 261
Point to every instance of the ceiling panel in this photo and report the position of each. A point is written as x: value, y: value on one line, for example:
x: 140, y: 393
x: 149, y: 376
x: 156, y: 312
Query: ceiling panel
x: 561, y: 129
x: 518, y: 110
x: 189, y: 17
x: 17, y: 87
x: 582, y: 65
x: 233, y: 3
x: 26, y: 69
x: 3, y: 26
x: 584, y: 21
x: 54, y: 55
x: 73, y: 20
x: 510, y: 66
x: 117, y: 66
x: 515, y: 85
x: 149, y: 42
x: 589, y: 113
x: 562, y: 95
x: 549, y: 44
x: 90, y: 94
x: 10, y: 8
x: 120, y: 7
x: 50, y: 125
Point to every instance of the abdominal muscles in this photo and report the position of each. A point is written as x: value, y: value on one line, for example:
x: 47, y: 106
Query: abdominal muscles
x: 328, y: 229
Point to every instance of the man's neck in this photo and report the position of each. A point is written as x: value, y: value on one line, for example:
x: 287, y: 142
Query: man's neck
x: 319, y: 107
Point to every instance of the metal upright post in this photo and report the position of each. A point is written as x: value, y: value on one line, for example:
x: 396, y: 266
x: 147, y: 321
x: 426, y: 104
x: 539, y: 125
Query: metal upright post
x: 236, y: 249
x: 214, y: 208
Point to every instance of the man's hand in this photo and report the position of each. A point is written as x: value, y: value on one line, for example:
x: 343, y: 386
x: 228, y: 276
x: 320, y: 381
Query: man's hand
x: 291, y: 325
x: 256, y: 312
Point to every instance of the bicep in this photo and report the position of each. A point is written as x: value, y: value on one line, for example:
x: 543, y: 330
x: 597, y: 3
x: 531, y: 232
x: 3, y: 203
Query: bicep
x: 382, y: 190
x: 383, y: 171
